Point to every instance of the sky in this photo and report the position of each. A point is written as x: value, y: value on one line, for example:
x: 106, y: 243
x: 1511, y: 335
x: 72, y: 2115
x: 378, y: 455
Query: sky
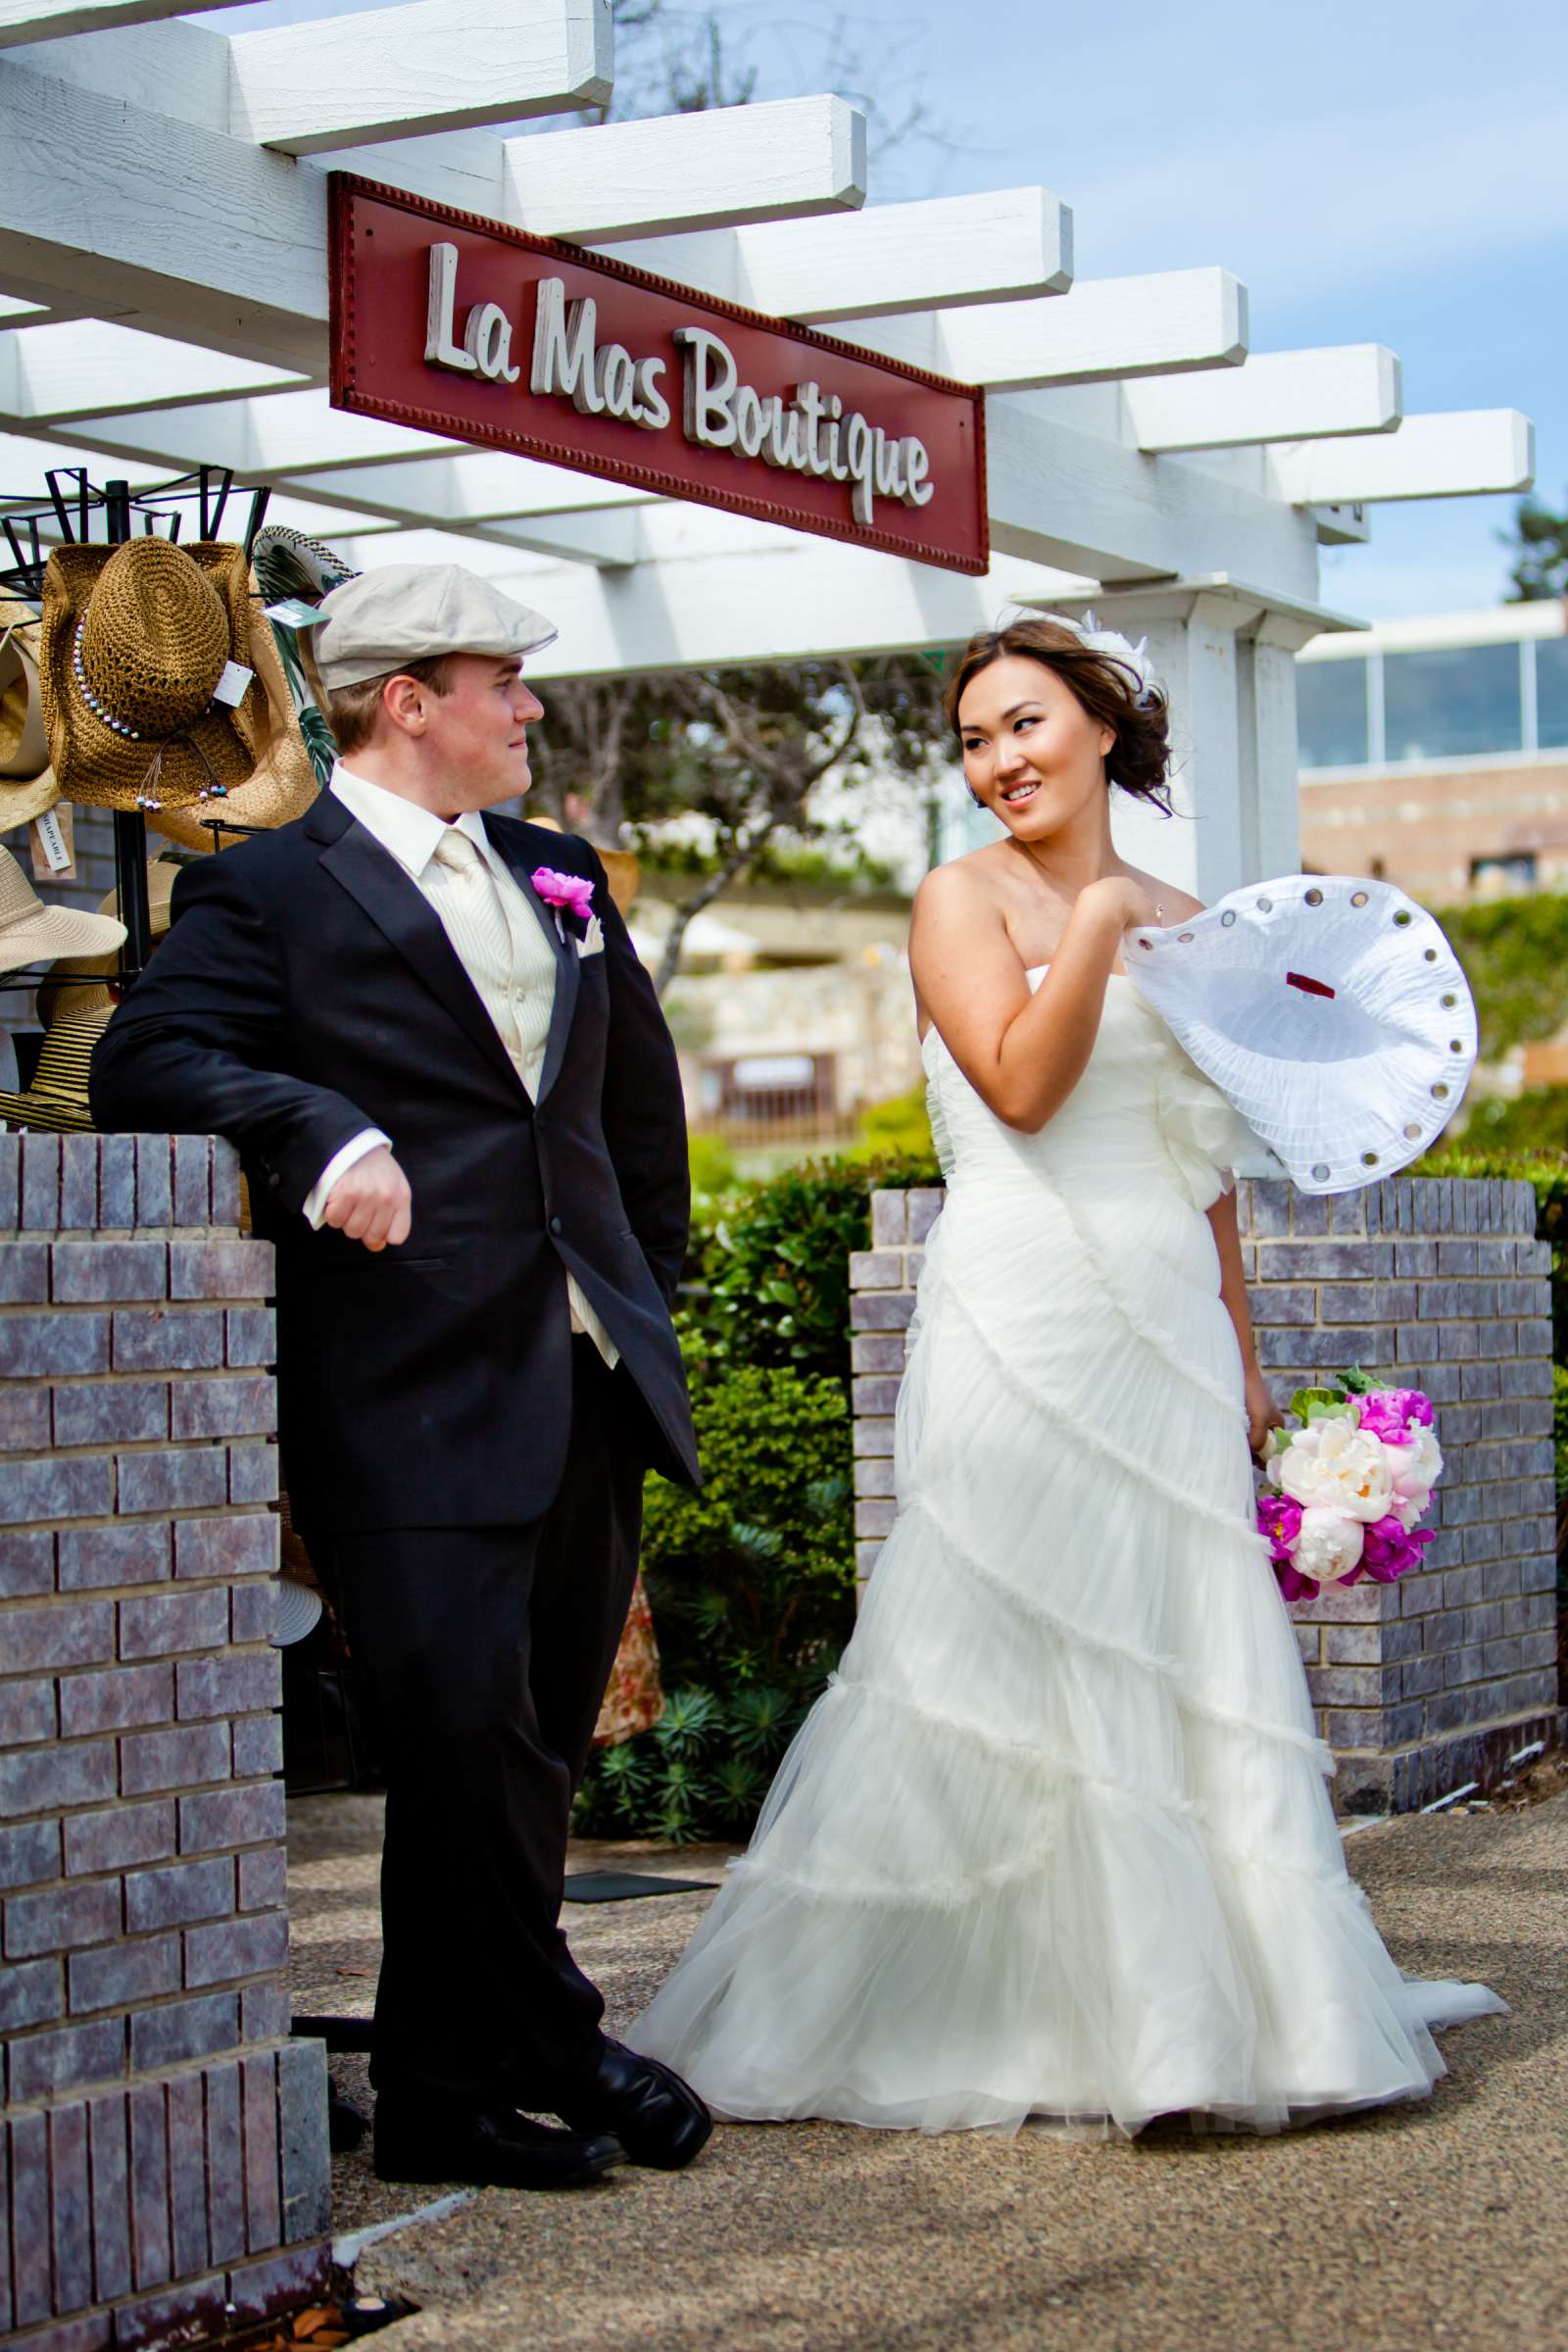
x: 1373, y: 170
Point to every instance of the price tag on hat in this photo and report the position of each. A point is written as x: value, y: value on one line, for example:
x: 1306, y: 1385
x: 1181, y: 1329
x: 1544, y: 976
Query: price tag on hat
x: 233, y: 684
x: 54, y: 846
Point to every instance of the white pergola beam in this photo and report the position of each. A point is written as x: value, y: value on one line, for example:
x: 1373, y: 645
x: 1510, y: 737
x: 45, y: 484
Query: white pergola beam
x: 159, y: 224
x: 57, y: 19
x: 1465, y: 452
x: 732, y: 166
x: 1003, y: 246
x: 90, y: 367
x: 1277, y: 396
x: 1109, y: 326
x: 472, y: 488
x: 428, y: 65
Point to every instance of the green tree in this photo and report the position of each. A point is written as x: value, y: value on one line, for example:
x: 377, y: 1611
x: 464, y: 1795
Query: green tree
x: 1539, y: 539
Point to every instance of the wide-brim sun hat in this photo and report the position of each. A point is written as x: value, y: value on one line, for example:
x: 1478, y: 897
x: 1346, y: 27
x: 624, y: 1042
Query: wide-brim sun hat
x: 299, y: 1611
x: 34, y: 932
x: 57, y: 1101
x: 133, y: 648
x: 1331, y: 1013
x: 28, y: 786
x: 283, y: 783
x: 79, y: 983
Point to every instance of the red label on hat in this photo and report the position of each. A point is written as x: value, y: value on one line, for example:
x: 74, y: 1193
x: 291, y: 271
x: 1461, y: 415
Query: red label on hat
x: 1308, y: 988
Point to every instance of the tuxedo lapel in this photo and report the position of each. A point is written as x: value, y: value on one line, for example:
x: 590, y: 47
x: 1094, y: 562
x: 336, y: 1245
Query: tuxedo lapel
x: 562, y: 947
x: 399, y: 909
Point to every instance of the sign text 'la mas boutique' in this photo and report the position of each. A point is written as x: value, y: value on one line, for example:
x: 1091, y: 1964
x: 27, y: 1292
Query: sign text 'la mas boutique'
x: 458, y: 326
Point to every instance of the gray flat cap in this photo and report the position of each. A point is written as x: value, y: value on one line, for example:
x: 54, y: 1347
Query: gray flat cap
x: 415, y: 612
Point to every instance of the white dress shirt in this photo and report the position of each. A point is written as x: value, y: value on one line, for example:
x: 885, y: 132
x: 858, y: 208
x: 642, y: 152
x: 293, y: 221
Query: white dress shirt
x: 497, y: 938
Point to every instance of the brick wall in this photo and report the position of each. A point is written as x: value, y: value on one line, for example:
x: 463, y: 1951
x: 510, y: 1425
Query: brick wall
x: 163, y: 2152
x: 1430, y: 1683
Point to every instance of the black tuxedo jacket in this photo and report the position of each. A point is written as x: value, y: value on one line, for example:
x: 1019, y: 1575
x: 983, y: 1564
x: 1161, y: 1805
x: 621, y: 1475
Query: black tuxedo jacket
x: 307, y: 991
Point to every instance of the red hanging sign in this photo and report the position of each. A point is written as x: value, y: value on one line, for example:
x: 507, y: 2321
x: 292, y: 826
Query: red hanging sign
x: 461, y: 326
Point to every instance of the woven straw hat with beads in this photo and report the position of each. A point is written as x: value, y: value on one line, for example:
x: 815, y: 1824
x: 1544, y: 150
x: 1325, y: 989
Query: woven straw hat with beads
x: 133, y: 644
x: 283, y: 782
x: 28, y: 784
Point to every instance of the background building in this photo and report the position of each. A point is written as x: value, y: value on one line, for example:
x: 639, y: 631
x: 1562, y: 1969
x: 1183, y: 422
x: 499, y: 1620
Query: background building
x: 1435, y: 752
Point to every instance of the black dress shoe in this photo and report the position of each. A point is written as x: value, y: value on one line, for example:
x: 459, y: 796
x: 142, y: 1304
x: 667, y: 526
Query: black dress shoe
x: 658, y: 2119
x: 501, y: 2149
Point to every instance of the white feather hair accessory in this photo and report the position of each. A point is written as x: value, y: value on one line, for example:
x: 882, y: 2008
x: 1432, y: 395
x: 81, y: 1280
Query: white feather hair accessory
x: 1117, y: 648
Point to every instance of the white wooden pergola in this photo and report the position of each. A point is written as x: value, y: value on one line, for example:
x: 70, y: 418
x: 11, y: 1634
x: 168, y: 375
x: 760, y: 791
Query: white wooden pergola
x: 163, y: 260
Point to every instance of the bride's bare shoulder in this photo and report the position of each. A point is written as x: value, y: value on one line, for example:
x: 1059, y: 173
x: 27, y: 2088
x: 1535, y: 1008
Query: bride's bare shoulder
x: 976, y: 877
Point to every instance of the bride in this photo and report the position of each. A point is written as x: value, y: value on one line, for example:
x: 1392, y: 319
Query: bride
x: 1055, y: 1841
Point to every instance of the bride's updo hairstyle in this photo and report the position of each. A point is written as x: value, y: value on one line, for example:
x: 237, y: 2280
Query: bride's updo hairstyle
x: 1106, y: 684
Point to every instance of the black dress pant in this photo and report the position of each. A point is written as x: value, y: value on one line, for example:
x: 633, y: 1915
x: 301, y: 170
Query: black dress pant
x: 482, y: 1655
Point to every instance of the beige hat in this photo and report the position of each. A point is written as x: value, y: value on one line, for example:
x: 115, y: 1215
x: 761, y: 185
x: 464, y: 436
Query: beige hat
x: 134, y: 643
x: 283, y: 782
x: 78, y: 984
x: 57, y: 1100
x: 33, y: 933
x: 416, y: 613
x: 28, y: 784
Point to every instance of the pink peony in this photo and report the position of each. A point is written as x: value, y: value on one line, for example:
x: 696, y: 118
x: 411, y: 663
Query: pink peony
x: 1391, y: 1413
x: 1280, y: 1520
x: 574, y: 892
x: 1390, y: 1550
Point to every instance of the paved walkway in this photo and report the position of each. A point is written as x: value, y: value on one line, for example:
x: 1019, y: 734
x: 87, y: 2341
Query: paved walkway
x: 1443, y: 2226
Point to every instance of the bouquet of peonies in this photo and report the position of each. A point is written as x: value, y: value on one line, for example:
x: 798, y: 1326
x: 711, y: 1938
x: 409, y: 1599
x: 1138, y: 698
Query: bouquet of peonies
x: 1345, y: 1486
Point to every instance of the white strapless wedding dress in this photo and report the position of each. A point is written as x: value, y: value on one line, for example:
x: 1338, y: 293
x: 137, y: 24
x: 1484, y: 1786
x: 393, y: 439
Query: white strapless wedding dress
x: 1055, y: 1841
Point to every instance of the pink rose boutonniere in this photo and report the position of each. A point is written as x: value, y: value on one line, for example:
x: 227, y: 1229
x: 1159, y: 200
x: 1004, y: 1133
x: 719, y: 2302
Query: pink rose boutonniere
x: 572, y: 893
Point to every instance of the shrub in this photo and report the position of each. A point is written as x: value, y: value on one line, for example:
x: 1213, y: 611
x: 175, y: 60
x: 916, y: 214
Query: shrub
x: 712, y: 1163
x: 752, y: 1582
x: 773, y: 1268
x: 1531, y: 1122
x: 901, y: 1126
x: 1515, y: 955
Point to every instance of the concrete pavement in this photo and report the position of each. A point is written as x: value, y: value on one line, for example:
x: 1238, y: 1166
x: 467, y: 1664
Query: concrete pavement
x: 1435, y: 2226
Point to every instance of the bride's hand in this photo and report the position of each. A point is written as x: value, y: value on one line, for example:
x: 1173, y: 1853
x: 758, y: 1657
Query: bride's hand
x: 1262, y: 1413
x: 1130, y: 900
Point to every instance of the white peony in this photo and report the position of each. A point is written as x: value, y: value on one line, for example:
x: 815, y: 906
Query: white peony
x: 1415, y: 1469
x: 1329, y: 1544
x: 1332, y: 1465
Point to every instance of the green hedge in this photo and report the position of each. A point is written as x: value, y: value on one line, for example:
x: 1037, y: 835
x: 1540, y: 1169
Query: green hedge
x: 1515, y: 955
x: 751, y: 1584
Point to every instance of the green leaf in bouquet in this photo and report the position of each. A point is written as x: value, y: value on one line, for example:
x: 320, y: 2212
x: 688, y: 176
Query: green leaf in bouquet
x: 1321, y: 1404
x: 1358, y: 1383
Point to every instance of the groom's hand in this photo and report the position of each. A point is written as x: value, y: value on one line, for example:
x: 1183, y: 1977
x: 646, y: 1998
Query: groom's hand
x: 370, y: 1203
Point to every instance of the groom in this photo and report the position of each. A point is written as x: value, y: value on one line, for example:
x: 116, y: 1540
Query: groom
x: 461, y: 1118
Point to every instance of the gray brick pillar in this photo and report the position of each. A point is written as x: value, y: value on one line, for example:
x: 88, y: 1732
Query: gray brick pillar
x: 163, y: 2157
x: 1433, y: 1682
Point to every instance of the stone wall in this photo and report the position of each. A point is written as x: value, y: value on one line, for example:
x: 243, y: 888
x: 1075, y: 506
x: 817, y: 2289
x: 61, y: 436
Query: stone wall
x: 165, y: 2146
x: 1433, y: 1682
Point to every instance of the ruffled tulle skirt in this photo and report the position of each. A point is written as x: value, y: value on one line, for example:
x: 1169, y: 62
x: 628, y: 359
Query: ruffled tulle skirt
x: 1056, y: 1839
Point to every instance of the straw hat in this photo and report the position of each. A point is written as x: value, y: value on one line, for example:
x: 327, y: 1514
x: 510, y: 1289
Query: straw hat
x: 78, y: 984
x: 28, y: 784
x: 283, y: 782
x: 1332, y: 1013
x: 290, y: 566
x: 33, y: 933
x: 57, y: 1100
x: 134, y: 642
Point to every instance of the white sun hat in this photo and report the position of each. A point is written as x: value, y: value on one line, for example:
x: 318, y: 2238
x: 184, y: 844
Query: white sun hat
x: 1332, y: 1013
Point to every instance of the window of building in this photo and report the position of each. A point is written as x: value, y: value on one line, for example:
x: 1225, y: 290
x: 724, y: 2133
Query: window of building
x: 1453, y: 701
x: 1331, y: 707
x: 1502, y: 877
x: 1551, y: 692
